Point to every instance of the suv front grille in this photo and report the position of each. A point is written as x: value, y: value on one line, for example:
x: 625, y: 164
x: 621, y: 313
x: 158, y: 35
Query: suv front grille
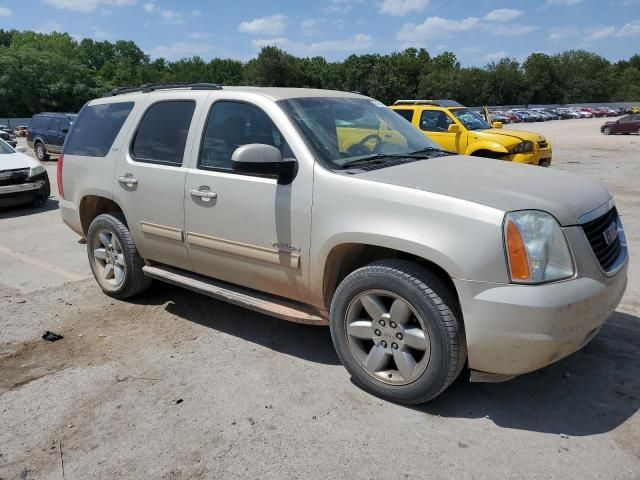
x: 597, y: 231
x: 13, y: 177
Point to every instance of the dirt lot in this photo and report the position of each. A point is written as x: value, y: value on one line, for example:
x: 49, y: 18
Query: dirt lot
x: 177, y: 386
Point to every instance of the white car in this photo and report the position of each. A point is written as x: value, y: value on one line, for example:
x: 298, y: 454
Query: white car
x: 22, y: 178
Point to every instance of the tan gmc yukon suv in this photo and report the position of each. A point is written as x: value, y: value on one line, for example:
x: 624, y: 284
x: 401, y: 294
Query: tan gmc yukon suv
x: 326, y: 207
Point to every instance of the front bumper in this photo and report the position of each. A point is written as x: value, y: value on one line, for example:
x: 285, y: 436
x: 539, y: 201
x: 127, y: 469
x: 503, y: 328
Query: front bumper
x: 540, y: 156
x: 20, y: 193
x: 515, y: 329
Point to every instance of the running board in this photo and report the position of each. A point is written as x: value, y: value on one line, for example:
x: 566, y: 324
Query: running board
x: 258, y: 302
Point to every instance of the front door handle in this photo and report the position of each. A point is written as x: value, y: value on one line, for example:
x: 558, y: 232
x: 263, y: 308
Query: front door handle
x: 205, y: 195
x: 128, y: 180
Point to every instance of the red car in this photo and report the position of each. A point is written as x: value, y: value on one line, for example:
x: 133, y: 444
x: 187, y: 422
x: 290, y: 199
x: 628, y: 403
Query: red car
x: 594, y: 111
x: 625, y: 125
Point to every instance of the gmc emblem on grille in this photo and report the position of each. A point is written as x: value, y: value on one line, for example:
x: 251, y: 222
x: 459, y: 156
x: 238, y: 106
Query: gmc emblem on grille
x: 611, y: 233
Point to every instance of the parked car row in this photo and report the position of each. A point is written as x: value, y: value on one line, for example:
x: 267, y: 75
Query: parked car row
x: 540, y: 114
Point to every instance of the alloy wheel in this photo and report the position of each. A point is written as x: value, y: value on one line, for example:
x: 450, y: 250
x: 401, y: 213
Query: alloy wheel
x: 108, y: 258
x: 387, y: 337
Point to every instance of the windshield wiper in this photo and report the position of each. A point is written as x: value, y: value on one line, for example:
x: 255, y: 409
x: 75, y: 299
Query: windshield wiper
x: 378, y: 157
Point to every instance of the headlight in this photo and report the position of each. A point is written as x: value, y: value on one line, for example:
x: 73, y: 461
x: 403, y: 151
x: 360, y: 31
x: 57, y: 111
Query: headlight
x: 523, y: 147
x: 537, y: 250
x: 37, y: 170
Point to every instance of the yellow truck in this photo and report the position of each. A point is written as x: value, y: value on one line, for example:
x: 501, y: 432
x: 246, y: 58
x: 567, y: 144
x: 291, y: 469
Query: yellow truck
x: 458, y: 129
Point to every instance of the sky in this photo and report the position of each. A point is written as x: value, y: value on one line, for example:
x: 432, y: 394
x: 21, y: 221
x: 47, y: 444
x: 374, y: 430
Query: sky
x: 477, y: 31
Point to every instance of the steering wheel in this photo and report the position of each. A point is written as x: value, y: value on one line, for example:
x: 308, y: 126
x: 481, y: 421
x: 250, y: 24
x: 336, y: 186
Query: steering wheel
x: 360, y: 149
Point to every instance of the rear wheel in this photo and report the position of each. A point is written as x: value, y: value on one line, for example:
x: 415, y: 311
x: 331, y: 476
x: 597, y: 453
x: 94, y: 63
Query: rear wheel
x: 41, y: 152
x: 113, y: 257
x: 395, y: 330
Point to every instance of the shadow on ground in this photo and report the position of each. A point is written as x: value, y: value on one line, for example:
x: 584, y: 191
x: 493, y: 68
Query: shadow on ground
x: 307, y: 342
x: 591, y: 392
x: 27, y: 209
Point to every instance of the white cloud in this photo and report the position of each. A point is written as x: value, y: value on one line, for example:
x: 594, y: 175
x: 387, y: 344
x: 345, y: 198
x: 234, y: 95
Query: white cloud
x: 356, y: 43
x: 308, y: 26
x: 567, y: 3
x: 600, y: 32
x: 200, y: 35
x: 631, y: 29
x: 179, y: 50
x: 434, y: 27
x: 560, y: 33
x: 342, y: 6
x: 503, y: 15
x: 87, y: 5
x: 271, y: 25
x: 400, y: 8
x: 511, y: 30
x: 48, y: 27
x: 171, y: 16
x: 149, y: 7
x: 5, y: 12
x: 495, y: 56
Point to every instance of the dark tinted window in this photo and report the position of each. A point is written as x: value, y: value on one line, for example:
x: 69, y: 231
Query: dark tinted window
x: 435, y: 121
x: 54, y: 125
x: 162, y: 134
x: 38, y: 123
x: 95, y: 129
x: 406, y: 114
x: 233, y: 124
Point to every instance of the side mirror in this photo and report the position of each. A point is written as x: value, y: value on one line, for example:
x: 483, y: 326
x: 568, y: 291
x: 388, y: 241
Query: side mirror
x: 21, y: 149
x: 65, y: 130
x: 454, y: 128
x: 260, y: 159
x: 496, y: 124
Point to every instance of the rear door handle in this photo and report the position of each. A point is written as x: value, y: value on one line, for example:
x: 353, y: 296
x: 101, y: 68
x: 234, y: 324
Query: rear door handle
x: 128, y: 180
x: 205, y: 195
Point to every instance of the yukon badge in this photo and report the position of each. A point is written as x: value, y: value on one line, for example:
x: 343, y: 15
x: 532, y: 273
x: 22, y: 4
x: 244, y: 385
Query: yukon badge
x: 285, y: 246
x: 611, y: 233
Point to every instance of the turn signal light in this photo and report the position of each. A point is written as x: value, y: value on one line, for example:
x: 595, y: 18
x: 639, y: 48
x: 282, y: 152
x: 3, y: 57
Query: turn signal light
x: 518, y: 258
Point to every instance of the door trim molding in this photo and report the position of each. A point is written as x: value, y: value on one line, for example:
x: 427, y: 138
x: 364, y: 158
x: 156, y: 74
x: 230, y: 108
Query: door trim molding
x: 170, y: 233
x: 254, y: 252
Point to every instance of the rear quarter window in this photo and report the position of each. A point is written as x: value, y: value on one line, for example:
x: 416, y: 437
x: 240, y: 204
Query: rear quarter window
x: 38, y: 123
x: 406, y: 114
x: 95, y: 128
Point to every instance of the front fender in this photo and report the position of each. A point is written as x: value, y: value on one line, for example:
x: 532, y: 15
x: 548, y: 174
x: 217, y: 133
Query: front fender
x: 490, y: 146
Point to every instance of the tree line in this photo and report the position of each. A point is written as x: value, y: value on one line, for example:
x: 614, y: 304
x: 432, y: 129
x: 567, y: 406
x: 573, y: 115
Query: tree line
x: 54, y: 72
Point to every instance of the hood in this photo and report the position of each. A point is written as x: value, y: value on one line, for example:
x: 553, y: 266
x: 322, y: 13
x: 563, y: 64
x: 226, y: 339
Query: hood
x: 503, y: 185
x: 13, y: 161
x: 516, y: 136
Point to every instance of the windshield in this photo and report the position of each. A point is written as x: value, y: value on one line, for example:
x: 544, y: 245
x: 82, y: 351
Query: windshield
x: 341, y: 130
x: 470, y: 119
x: 5, y: 149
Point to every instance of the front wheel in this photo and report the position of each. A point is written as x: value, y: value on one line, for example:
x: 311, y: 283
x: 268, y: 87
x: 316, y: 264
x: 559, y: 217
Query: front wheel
x: 606, y: 131
x: 113, y: 257
x: 397, y: 329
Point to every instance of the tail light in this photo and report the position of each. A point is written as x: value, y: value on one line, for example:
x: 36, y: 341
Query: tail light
x: 59, y: 175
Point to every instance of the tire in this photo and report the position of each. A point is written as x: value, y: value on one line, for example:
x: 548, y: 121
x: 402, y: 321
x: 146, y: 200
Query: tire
x: 118, y: 267
x: 41, y: 152
x: 606, y: 131
x: 434, y: 321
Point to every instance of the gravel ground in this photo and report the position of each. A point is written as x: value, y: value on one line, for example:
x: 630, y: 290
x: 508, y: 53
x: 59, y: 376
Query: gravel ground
x: 178, y: 386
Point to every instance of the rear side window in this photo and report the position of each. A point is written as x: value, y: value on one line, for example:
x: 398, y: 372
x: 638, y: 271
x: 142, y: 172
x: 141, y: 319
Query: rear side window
x: 54, y: 125
x: 406, y: 114
x: 95, y: 129
x: 162, y: 134
x: 38, y: 123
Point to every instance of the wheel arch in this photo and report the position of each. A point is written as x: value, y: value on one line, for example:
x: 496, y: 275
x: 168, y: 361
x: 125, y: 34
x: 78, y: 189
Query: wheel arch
x: 492, y: 147
x: 345, y: 258
x: 93, y: 205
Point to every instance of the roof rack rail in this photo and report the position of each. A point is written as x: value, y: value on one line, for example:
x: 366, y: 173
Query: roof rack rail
x: 435, y: 103
x: 151, y: 87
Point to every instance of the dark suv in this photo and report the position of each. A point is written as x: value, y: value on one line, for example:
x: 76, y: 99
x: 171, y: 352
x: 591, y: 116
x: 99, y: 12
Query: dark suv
x: 46, y: 133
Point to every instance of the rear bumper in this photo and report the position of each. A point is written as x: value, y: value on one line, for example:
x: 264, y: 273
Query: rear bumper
x: 515, y: 329
x: 71, y: 216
